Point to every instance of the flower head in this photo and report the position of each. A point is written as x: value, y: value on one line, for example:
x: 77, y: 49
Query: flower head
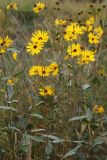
x: 73, y: 31
x: 5, y: 42
x: 46, y: 91
x: 34, y: 70
x: 34, y: 47
x: 74, y: 50
x: 40, y: 36
x: 14, y: 55
x: 44, y: 71
x: 60, y: 22
x: 38, y: 7
x: 93, y: 38
x: 54, y: 68
x: 12, y: 6
x: 98, y: 109
x: 86, y: 57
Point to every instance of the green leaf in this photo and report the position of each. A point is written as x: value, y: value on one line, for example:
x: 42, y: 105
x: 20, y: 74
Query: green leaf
x: 36, y: 115
x: 8, y: 108
x: 51, y: 137
x: 58, y: 140
x: 15, y: 129
x: 77, y: 118
x: 10, y: 91
x: 72, y: 151
x: 54, y: 138
x: 89, y: 114
x: 48, y: 149
x: 99, y: 140
x: 12, y: 50
x: 36, y: 138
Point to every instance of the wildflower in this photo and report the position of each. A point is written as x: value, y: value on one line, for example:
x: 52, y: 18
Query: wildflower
x: 12, y: 6
x: 89, y: 28
x: 74, y: 50
x: 46, y: 91
x: 98, y: 31
x: 93, y: 38
x: 2, y: 50
x: 54, y: 68
x: 41, y: 36
x: 34, y: 70
x: 38, y: 7
x: 34, y: 47
x: 10, y: 82
x: 86, y: 57
x: 14, y: 55
x: 101, y: 72
x: 44, y: 71
x: 73, y: 31
x: 90, y: 21
x: 98, y: 109
x: 60, y: 22
x: 5, y: 42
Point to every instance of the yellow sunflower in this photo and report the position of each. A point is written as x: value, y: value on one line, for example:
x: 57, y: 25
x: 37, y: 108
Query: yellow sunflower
x: 5, y: 42
x: 12, y: 6
x: 54, y: 68
x: 46, y: 91
x: 34, y: 70
x: 41, y: 36
x: 38, y: 7
x: 34, y: 47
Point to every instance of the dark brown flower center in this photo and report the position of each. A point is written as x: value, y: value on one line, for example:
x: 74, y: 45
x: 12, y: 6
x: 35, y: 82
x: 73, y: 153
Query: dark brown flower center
x: 75, y: 50
x: 3, y: 43
x: 35, y: 47
x: 43, y: 72
x: 40, y: 38
x: 45, y: 90
x: 39, y: 8
x: 11, y: 5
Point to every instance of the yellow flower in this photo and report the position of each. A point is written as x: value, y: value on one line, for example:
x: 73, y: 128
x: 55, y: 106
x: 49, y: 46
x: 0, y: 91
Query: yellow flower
x: 90, y: 21
x: 0, y: 10
x: 101, y: 72
x: 99, y: 31
x: 74, y: 50
x: 73, y: 31
x: 12, y: 6
x: 2, y: 50
x: 46, y: 91
x: 98, y: 109
x: 54, y: 68
x: 38, y: 7
x: 14, y: 55
x: 89, y: 28
x: 5, y: 42
x: 41, y: 36
x: 101, y: 109
x: 93, y: 38
x: 86, y: 57
x: 44, y: 71
x: 10, y: 82
x: 34, y: 47
x: 60, y: 22
x: 34, y: 70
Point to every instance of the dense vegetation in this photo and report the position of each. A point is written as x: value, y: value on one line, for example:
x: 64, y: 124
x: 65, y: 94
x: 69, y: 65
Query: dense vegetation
x: 53, y: 78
